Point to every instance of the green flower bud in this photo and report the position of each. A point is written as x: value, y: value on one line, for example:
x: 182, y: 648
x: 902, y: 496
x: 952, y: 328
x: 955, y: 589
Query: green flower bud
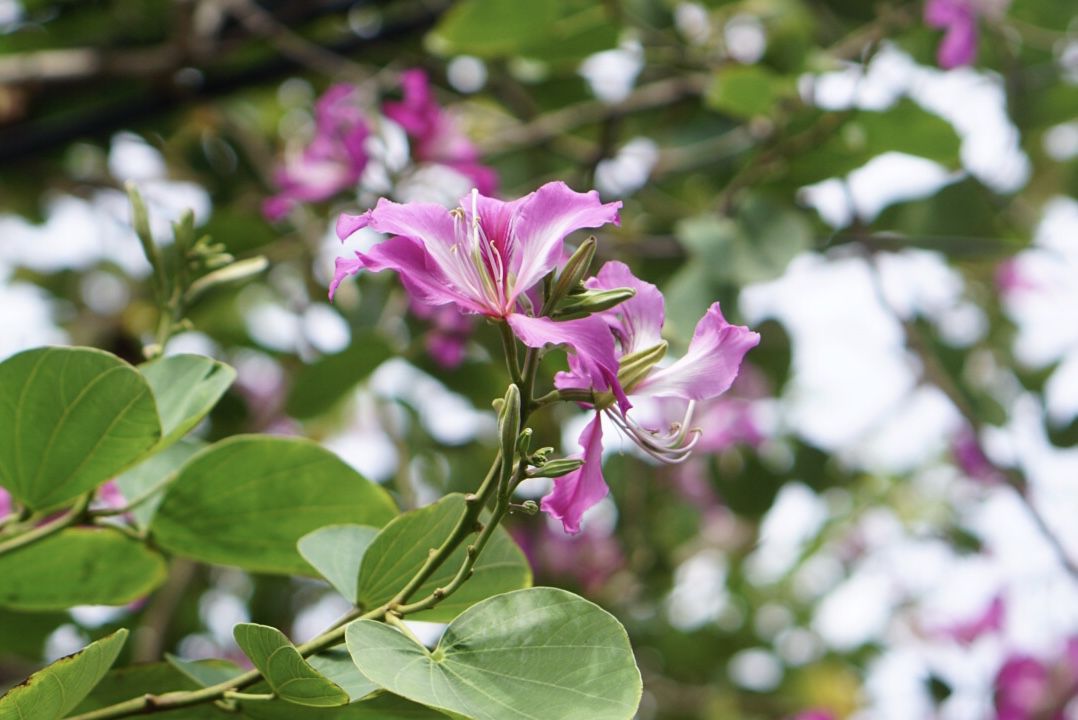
x: 556, y: 468
x: 635, y: 367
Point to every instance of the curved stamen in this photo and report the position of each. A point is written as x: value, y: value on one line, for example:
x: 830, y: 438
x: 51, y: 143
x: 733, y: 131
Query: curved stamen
x: 672, y: 447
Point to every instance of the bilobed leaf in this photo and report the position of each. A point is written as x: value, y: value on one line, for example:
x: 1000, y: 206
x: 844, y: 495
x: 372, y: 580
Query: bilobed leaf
x: 71, y: 418
x: 247, y: 500
x: 540, y: 652
x: 50, y: 693
x: 336, y: 552
x: 336, y: 664
x: 186, y: 388
x: 321, y: 384
x: 79, y: 566
x: 291, y: 677
x: 152, y: 475
x: 403, y: 545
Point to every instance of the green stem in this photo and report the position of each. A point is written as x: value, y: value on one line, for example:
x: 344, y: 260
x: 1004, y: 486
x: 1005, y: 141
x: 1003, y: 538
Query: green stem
x: 72, y: 516
x: 509, y: 343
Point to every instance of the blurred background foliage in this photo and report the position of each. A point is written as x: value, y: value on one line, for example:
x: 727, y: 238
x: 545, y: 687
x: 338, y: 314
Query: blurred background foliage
x: 800, y: 160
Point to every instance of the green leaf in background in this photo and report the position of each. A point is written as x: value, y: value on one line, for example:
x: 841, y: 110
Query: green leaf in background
x: 50, y: 693
x: 186, y: 388
x: 71, y: 418
x: 290, y: 676
x: 156, y: 679
x: 79, y: 566
x: 151, y: 476
x: 202, y: 673
x: 746, y: 91
x: 540, y: 652
x: 247, y: 501
x: 403, y: 546
x: 556, y: 31
x: 321, y: 384
x: 336, y: 552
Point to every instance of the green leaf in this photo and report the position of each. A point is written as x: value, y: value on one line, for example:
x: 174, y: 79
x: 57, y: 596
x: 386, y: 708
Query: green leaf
x: 247, y: 500
x: 72, y: 418
x: 402, y: 547
x: 747, y: 91
x: 381, y: 707
x: 491, y: 28
x: 79, y: 566
x: 50, y: 693
x: 336, y: 665
x: 156, y: 679
x: 291, y: 677
x: 186, y: 388
x: 336, y: 552
x: 321, y: 384
x: 152, y: 475
x: 202, y: 673
x: 541, y: 652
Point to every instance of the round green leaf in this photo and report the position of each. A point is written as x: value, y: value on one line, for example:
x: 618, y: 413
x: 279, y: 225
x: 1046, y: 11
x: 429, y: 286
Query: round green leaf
x: 323, y: 383
x: 336, y: 552
x: 402, y: 547
x: 71, y: 418
x: 79, y: 566
x: 50, y: 693
x: 540, y: 652
x: 186, y: 388
x: 247, y: 500
x: 291, y: 677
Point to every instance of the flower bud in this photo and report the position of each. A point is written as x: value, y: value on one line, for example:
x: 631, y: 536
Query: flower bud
x: 635, y: 367
x: 556, y: 468
x: 240, y: 270
x: 509, y: 421
x: 576, y: 269
x: 592, y: 301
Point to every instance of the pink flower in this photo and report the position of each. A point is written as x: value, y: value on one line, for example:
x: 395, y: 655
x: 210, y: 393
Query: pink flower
x: 707, y: 370
x: 972, y: 460
x: 333, y: 160
x: 5, y: 503
x: 590, y: 558
x: 989, y: 621
x: 484, y: 257
x: 1029, y: 689
x: 435, y: 136
x: 449, y: 333
x: 958, y: 20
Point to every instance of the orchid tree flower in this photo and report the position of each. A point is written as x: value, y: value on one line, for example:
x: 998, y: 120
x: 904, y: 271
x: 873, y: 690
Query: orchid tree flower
x: 706, y: 370
x: 334, y: 159
x: 436, y: 137
x: 485, y: 256
x: 958, y: 20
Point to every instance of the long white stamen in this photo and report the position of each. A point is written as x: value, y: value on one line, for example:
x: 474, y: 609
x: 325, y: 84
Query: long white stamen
x: 672, y: 447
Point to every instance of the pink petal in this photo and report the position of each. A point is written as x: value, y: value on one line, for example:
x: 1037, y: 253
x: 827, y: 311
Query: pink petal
x: 428, y: 223
x: 545, y: 218
x: 343, y: 268
x: 637, y: 322
x: 348, y: 224
x: 579, y: 490
x: 588, y: 338
x: 941, y: 13
x: 711, y: 364
x: 959, y: 46
x: 420, y: 273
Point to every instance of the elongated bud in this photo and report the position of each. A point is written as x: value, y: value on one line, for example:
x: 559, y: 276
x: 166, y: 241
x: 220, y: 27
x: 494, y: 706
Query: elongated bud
x: 230, y: 273
x: 576, y: 269
x: 509, y: 421
x: 140, y: 221
x: 592, y: 301
x: 635, y: 367
x: 524, y: 442
x: 556, y: 468
x: 528, y: 507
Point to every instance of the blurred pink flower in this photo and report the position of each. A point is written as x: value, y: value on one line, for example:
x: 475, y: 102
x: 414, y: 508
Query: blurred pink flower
x: 1029, y: 689
x: 435, y: 136
x: 109, y: 496
x: 590, y: 558
x: 5, y: 503
x: 485, y: 256
x: 1010, y: 279
x: 989, y: 621
x: 815, y: 715
x: 971, y: 458
x: 448, y: 336
x: 333, y: 160
x: 958, y: 20
x: 707, y: 370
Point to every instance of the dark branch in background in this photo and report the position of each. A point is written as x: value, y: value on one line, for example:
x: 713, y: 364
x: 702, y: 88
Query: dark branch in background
x: 39, y: 135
